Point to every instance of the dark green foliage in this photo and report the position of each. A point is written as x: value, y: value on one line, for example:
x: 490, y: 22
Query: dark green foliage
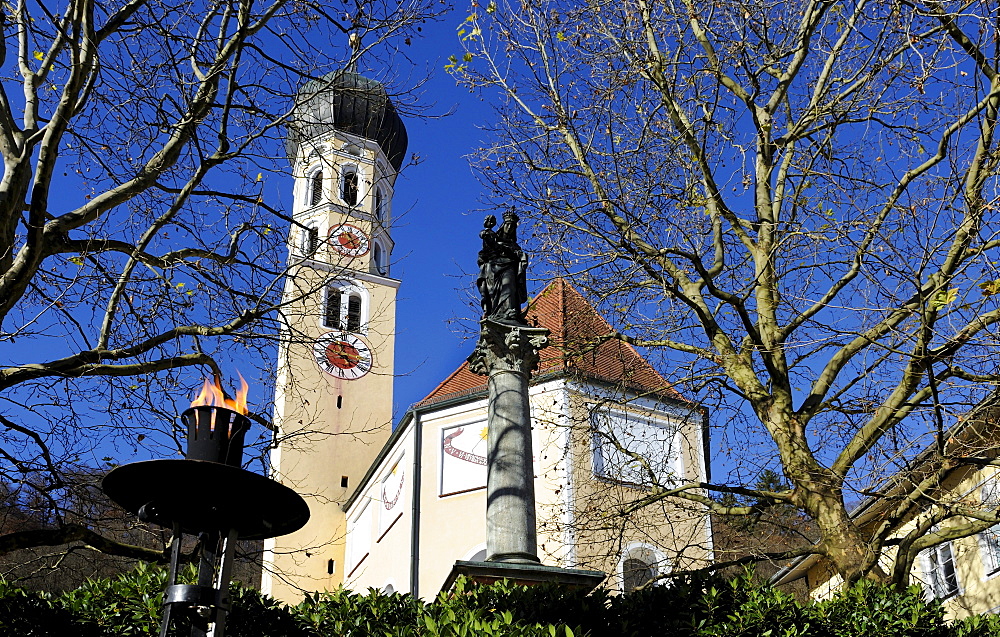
x: 978, y: 626
x: 377, y: 614
x: 871, y: 609
x: 256, y: 615
x: 544, y: 604
x: 29, y: 614
x: 739, y: 607
x: 129, y: 605
x: 126, y: 605
x: 342, y: 612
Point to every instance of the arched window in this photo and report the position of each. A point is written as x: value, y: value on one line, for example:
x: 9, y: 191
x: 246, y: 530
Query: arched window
x: 636, y: 573
x: 476, y: 554
x: 380, y: 262
x: 379, y: 205
x: 345, y: 307
x: 349, y: 186
x: 310, y: 239
x: 334, y: 301
x: 316, y: 188
x: 353, y: 318
x: 640, y: 566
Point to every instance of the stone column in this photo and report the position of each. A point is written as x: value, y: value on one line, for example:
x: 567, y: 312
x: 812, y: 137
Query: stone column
x: 507, y: 354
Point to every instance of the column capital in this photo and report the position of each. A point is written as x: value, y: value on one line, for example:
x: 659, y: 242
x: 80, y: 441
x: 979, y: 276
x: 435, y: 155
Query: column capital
x: 507, y: 347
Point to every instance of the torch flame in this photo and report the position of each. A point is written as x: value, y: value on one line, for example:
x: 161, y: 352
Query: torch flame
x: 213, y: 395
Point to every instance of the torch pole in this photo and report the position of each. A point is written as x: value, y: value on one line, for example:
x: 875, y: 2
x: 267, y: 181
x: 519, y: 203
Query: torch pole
x: 175, y: 556
x: 225, y: 572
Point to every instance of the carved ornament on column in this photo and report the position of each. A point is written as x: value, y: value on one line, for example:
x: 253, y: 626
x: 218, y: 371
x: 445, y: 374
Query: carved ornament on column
x: 507, y: 348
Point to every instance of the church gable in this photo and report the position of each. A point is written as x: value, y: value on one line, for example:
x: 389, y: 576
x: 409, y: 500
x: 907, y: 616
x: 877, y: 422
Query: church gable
x: 575, y: 350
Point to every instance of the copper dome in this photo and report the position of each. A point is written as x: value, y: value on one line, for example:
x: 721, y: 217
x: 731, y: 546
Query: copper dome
x: 348, y: 102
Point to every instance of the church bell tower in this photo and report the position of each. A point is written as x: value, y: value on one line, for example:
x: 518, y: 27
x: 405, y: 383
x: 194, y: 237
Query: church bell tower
x: 333, y: 396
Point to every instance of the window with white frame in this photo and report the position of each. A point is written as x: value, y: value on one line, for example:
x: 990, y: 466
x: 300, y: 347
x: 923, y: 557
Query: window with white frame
x: 379, y: 208
x: 359, y: 537
x: 349, y: 185
x: 640, y: 565
x: 940, y: 576
x: 310, y: 238
x: 989, y: 540
x: 315, y: 190
x: 345, y: 307
x: 632, y: 448
x: 380, y: 261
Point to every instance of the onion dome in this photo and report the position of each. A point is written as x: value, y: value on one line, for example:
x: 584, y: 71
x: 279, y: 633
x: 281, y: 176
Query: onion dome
x: 348, y: 102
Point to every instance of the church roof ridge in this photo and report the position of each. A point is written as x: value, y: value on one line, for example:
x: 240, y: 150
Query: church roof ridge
x: 575, y: 349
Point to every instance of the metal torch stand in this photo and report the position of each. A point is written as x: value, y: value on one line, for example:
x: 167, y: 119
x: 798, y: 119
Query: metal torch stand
x: 207, y: 602
x: 209, y: 495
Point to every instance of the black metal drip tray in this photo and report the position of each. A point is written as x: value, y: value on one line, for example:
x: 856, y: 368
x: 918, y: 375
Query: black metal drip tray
x: 200, y: 495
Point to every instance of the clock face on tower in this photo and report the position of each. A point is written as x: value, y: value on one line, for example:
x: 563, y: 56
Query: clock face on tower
x: 349, y: 240
x: 342, y: 355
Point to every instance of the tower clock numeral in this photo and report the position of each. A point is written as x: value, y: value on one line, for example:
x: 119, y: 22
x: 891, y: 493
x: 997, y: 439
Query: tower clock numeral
x: 343, y: 355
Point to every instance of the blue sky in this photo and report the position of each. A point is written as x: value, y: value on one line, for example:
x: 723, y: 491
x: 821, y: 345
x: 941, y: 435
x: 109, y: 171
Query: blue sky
x: 436, y: 224
x: 437, y: 237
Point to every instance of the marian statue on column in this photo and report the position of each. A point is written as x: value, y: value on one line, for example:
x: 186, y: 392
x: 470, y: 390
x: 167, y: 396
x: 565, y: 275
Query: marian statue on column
x: 503, y: 267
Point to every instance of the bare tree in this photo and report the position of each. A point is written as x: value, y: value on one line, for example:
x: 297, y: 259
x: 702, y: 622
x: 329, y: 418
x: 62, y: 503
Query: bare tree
x: 142, y: 224
x: 792, y: 206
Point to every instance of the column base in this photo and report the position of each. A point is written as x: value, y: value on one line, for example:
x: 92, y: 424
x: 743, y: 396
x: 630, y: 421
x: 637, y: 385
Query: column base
x: 514, y: 558
x: 526, y: 574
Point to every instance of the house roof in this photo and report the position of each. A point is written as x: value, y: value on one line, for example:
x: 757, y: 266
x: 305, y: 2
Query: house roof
x: 972, y: 436
x: 575, y: 349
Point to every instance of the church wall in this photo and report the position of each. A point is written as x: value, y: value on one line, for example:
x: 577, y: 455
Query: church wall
x: 574, y: 528
x: 380, y: 559
x: 331, y: 428
x: 670, y: 533
x: 453, y: 493
x: 453, y: 498
x: 556, y: 539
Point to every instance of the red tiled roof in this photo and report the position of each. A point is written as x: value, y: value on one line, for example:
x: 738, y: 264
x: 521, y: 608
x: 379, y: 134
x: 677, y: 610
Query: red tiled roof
x: 574, y: 325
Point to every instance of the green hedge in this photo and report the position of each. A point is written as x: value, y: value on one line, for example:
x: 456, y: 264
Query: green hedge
x: 129, y: 605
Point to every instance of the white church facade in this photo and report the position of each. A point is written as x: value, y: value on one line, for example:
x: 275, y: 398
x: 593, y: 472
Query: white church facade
x: 422, y: 504
x: 393, y: 508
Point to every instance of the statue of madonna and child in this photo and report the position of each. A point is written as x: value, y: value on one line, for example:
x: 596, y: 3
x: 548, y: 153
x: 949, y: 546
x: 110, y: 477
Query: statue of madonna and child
x: 503, y: 267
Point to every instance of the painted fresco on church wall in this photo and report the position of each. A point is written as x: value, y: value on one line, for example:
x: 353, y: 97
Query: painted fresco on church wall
x: 463, y: 458
x: 392, y: 497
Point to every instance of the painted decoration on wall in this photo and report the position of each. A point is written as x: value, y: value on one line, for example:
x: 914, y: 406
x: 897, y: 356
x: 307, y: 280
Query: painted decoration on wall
x: 657, y: 442
x: 392, y: 497
x: 359, y: 538
x: 463, y: 458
